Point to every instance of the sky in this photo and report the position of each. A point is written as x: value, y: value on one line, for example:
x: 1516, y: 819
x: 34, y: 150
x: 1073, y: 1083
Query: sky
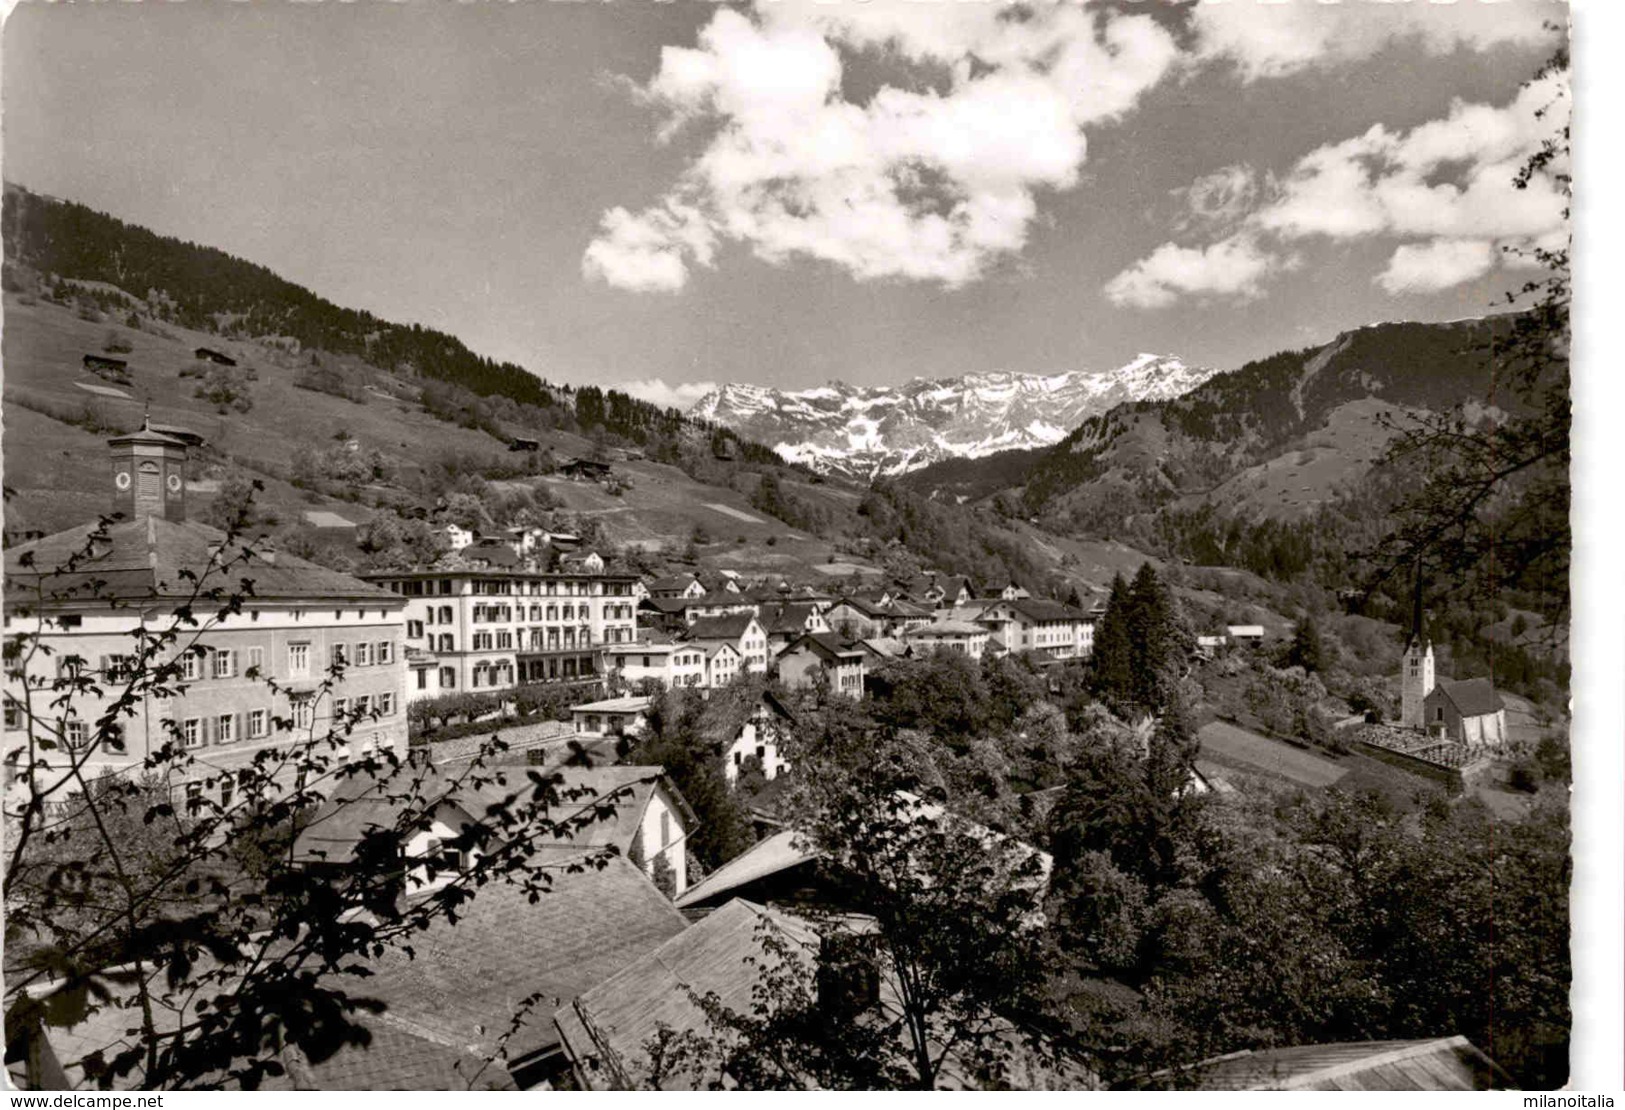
x: 680, y: 193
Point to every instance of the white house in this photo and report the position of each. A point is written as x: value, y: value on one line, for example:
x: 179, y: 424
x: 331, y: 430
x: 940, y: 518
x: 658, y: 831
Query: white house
x: 1246, y: 633
x: 584, y: 563
x: 842, y: 665
x: 743, y: 630
x: 668, y: 664
x: 624, y: 716
x: 459, y: 537
x: 1037, y: 625
x: 950, y: 635
x: 723, y: 663
x: 758, y: 737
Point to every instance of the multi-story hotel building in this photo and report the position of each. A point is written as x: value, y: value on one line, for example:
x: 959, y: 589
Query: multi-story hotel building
x: 251, y: 673
x: 492, y: 629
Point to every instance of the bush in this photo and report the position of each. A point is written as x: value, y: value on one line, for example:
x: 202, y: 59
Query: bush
x: 320, y: 379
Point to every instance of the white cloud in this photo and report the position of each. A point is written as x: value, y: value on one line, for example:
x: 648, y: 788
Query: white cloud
x: 1440, y: 264
x: 1446, y: 186
x: 1219, y: 200
x: 1274, y: 38
x: 681, y: 395
x: 648, y: 252
x: 1232, y: 268
x: 936, y: 183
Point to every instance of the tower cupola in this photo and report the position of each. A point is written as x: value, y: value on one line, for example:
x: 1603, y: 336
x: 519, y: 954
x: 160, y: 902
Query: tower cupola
x: 149, y: 475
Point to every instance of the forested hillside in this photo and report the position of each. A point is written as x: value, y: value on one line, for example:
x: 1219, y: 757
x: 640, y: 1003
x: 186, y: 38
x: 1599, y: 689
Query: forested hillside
x: 391, y: 426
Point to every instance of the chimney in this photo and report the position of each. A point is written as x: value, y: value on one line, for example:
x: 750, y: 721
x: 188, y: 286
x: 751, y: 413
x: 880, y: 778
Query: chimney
x: 149, y: 475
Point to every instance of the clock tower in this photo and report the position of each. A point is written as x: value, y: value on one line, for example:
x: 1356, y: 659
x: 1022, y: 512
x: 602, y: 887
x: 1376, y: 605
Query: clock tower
x: 149, y: 476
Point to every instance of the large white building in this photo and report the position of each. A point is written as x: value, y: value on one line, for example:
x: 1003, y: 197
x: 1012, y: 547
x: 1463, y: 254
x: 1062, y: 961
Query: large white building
x: 251, y: 675
x: 494, y: 629
x: 1029, y: 624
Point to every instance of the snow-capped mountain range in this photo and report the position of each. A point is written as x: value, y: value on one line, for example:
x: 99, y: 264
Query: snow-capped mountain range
x: 888, y: 430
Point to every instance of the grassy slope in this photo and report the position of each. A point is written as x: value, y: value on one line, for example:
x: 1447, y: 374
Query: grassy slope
x: 57, y: 474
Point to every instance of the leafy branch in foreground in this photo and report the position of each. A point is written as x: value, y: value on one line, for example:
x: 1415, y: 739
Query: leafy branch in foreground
x: 192, y: 939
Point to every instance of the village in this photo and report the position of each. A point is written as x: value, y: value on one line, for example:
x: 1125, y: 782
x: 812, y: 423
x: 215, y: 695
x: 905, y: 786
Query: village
x: 526, y: 653
x: 799, y: 546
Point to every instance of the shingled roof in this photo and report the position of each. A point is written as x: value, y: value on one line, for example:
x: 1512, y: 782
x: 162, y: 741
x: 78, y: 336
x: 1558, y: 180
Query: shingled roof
x: 468, y: 981
x: 1440, y: 1064
x: 1472, y: 697
x: 158, y: 560
x: 605, y: 1029
x: 720, y: 628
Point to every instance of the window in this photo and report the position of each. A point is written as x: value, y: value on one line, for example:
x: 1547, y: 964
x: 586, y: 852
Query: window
x: 386, y: 652
x: 225, y: 728
x: 304, y: 712
x: 223, y: 664
x: 448, y: 678
x: 363, y: 706
x: 446, y: 642
x: 339, y: 654
x: 298, y: 660
x: 386, y: 704
x: 445, y: 610
x: 665, y: 828
x: 258, y: 723
x: 191, y: 666
x: 14, y: 712
x: 117, y: 668
x: 423, y: 678
x: 256, y: 662
x: 75, y: 734
x: 194, y: 799
x: 363, y: 654
x: 227, y: 788
x: 341, y: 708
x: 192, y: 732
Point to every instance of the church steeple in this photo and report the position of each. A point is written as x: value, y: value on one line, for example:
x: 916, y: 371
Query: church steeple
x: 149, y: 474
x: 1416, y: 669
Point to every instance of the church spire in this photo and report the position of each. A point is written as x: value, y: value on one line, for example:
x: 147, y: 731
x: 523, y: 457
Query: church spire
x: 1416, y: 604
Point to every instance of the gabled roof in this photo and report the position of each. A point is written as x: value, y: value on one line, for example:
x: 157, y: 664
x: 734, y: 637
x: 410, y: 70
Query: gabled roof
x: 670, y: 606
x: 788, y: 618
x: 468, y: 981
x: 825, y: 644
x: 152, y: 558
x: 673, y: 582
x: 866, y: 606
x: 605, y: 1029
x: 884, y: 647
x: 713, y: 648
x: 730, y: 627
x: 399, y: 1057
x: 1042, y: 609
x: 1472, y: 697
x: 777, y: 853
x: 1439, y: 1064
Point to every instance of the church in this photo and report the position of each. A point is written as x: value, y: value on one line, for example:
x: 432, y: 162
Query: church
x: 1467, y: 712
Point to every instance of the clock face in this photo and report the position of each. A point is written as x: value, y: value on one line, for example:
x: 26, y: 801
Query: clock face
x: 122, y: 479
x: 174, y: 483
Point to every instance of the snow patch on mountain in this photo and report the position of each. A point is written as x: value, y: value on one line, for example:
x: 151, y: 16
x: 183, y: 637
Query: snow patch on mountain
x: 871, y: 431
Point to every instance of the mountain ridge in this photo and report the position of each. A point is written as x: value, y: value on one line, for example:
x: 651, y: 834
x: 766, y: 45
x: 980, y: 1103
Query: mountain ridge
x: 886, y: 431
